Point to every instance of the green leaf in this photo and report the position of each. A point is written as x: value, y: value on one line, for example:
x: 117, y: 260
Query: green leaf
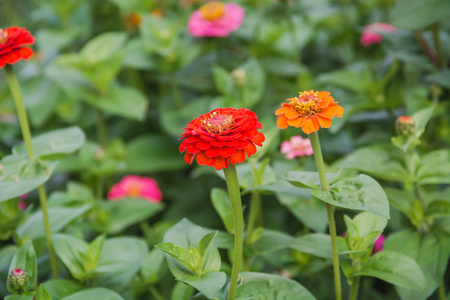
x: 306, y: 180
x: 255, y: 84
x: 59, y: 217
x: 125, y: 102
x: 209, y: 284
x: 24, y: 296
x: 222, y: 205
x: 429, y: 250
x: 317, y: 244
x: 271, y: 240
x: 210, y: 257
x: 259, y: 286
x: 380, y: 161
x: 91, y: 257
x: 223, y: 80
x: 42, y: 293
x: 368, y: 223
x: 433, y: 168
x: 311, y: 212
x: 418, y: 14
x: 25, y: 259
x: 54, y: 144
x: 395, y: 268
x: 180, y: 254
x: 360, y: 193
x: 103, y: 46
x: 181, y: 291
x: 95, y: 293
x: 438, y: 209
x: 126, y: 212
x: 19, y: 176
x: 6, y: 255
x: 154, y: 267
x: 153, y: 153
x: 402, y: 200
x: 69, y: 249
x: 60, y: 288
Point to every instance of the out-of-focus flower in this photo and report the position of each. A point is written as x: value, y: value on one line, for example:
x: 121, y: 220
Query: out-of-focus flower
x: 404, y: 125
x: 157, y: 13
x: 239, y: 77
x: 133, y: 186
x: 132, y: 20
x: 18, y: 278
x: 22, y: 205
x: 12, y: 41
x: 371, y: 34
x: 216, y: 19
x: 297, y: 146
x: 379, y: 244
x: 224, y: 135
x: 310, y: 111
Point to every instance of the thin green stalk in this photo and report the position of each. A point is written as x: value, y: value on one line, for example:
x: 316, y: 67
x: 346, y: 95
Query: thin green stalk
x: 441, y: 291
x: 355, y: 286
x: 438, y: 45
x: 426, y: 47
x: 236, y: 205
x: 155, y: 293
x: 26, y: 133
x: 255, y: 205
x: 314, y: 138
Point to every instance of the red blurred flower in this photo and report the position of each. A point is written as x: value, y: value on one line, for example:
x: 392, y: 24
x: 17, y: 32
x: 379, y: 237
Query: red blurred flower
x: 133, y: 186
x: 379, y: 244
x: 224, y: 135
x: 371, y: 34
x: 12, y: 40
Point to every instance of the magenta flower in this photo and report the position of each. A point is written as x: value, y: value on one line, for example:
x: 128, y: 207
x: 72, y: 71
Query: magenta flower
x: 22, y: 205
x: 379, y: 244
x: 371, y: 34
x: 133, y: 186
x: 216, y: 19
x: 297, y: 146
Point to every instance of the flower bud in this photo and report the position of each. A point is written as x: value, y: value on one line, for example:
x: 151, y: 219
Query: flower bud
x: 404, y: 125
x: 239, y: 76
x: 18, y: 278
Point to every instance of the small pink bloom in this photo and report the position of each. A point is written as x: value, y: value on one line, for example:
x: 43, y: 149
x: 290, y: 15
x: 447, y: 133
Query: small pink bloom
x: 216, y: 19
x: 371, y: 34
x: 379, y: 244
x: 22, y: 205
x: 18, y: 272
x: 297, y: 146
x: 133, y: 186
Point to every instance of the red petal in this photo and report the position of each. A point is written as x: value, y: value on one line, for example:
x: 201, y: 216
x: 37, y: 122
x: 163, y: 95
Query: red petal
x: 250, y: 149
x: 238, y: 157
x: 203, y: 145
x: 189, y: 158
x: 227, y: 151
x: 202, y: 160
x: 259, y: 138
x: 213, y: 152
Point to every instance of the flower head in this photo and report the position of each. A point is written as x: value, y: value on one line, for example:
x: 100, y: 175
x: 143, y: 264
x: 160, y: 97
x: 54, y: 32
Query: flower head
x: 224, y: 135
x: 379, y: 244
x: 310, y: 111
x: 404, y: 125
x: 133, y: 186
x: 297, y: 146
x: 22, y: 205
x: 216, y: 19
x: 12, y: 40
x: 371, y: 34
x: 18, y: 278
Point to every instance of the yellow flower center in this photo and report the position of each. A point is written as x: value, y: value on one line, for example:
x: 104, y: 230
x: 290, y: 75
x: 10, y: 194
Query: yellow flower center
x: 212, y: 10
x: 134, y: 190
x: 218, y: 123
x: 3, y: 36
x: 305, y: 103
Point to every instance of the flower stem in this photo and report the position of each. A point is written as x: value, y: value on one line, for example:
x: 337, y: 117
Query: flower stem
x: 314, y: 138
x: 26, y: 133
x: 255, y: 205
x: 236, y: 205
x: 441, y: 291
x: 427, y: 48
x: 355, y: 286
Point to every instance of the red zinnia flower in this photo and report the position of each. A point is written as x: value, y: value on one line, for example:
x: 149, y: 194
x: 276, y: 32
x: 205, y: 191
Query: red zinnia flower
x: 12, y: 40
x: 310, y: 111
x: 223, y: 135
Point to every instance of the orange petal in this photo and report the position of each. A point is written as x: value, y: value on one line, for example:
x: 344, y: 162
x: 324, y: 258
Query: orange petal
x: 323, y: 94
x: 250, y: 149
x: 202, y: 159
x: 259, y: 138
x: 331, y: 111
x: 238, y: 157
x: 324, y: 122
x: 282, y: 122
x: 297, y: 122
x: 221, y: 163
x: 311, y: 125
x: 282, y: 110
x: 292, y: 114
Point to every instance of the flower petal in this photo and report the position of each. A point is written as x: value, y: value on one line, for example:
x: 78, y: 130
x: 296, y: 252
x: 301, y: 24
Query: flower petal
x: 282, y: 122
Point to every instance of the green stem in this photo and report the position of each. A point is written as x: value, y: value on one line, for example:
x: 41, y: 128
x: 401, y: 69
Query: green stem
x: 236, y: 205
x: 441, y: 291
x: 155, y: 293
x: 26, y: 133
x: 17, y: 238
x: 438, y: 45
x: 255, y: 205
x: 101, y: 129
x: 355, y: 285
x: 314, y: 138
x: 426, y: 47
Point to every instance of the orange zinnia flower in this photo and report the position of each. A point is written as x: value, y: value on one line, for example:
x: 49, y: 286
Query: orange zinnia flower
x: 310, y: 111
x: 224, y: 135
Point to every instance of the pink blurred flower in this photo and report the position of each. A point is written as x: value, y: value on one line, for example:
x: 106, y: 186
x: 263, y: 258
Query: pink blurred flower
x: 297, y: 146
x: 22, y: 205
x: 216, y: 19
x: 371, y: 34
x: 133, y: 186
x: 379, y: 244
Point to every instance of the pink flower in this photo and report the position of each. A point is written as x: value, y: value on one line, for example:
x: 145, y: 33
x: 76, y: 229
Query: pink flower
x: 297, y: 146
x: 22, y: 205
x: 133, y: 186
x: 379, y: 244
x: 216, y: 19
x: 371, y: 34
